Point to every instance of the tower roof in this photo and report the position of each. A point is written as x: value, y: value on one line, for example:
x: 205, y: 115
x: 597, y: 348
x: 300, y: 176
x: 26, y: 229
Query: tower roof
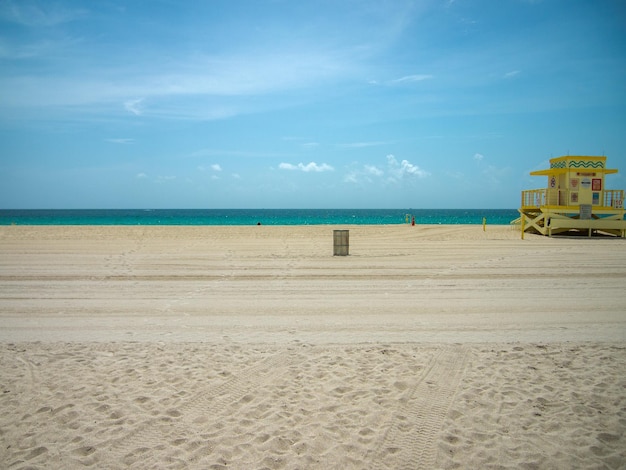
x: 568, y: 163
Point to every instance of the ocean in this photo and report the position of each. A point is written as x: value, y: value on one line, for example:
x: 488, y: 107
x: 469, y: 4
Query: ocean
x: 254, y: 216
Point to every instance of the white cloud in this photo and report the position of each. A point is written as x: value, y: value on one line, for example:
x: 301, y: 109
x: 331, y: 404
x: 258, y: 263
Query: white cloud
x: 165, y: 179
x: 13, y: 50
x: 411, y: 78
x: 361, y: 144
x: 215, y: 167
x: 310, y: 145
x: 141, y: 175
x: 194, y: 85
x: 373, y: 170
x: 134, y: 106
x: 288, y: 166
x: 407, y: 79
x: 121, y: 141
x: 511, y: 74
x: 478, y: 157
x: 364, y: 175
x: 352, y: 177
x: 395, y: 171
x: 202, y: 153
x: 33, y: 15
x: 399, y: 170
x: 312, y: 166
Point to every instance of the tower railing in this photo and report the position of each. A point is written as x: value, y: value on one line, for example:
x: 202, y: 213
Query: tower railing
x: 614, y: 198
x: 536, y: 198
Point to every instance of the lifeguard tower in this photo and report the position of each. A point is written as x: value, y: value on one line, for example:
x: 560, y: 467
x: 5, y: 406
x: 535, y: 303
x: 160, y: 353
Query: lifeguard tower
x: 575, y: 200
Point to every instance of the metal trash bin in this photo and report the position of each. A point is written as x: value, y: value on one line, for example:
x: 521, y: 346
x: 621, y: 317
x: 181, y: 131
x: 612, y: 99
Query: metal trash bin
x: 585, y: 211
x: 341, y: 242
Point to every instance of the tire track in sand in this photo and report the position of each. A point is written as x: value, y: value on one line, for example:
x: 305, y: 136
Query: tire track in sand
x: 410, y: 440
x: 142, y: 448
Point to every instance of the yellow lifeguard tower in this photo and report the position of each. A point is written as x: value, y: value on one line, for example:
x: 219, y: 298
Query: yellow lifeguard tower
x: 575, y: 200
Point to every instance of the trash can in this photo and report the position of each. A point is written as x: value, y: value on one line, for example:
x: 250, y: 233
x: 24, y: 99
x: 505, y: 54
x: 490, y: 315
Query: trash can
x: 341, y: 242
x: 585, y: 211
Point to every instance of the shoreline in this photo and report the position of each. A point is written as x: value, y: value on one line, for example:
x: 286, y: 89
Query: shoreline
x: 252, y: 225
x: 253, y: 216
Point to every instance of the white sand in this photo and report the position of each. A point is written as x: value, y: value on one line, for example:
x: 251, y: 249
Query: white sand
x: 254, y: 347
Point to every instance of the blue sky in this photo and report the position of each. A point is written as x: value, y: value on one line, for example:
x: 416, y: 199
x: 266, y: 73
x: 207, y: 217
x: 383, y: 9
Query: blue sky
x: 294, y: 104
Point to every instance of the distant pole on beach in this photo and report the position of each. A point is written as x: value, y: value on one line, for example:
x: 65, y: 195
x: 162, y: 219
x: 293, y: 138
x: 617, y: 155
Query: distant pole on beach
x: 484, y: 224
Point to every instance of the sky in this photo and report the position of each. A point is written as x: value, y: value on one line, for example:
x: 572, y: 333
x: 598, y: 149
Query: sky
x: 304, y: 104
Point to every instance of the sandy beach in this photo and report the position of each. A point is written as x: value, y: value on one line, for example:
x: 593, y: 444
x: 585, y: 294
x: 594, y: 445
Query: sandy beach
x: 254, y: 347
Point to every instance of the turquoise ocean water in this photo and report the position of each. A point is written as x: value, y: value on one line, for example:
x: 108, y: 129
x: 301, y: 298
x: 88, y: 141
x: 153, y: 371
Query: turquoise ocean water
x: 254, y: 216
